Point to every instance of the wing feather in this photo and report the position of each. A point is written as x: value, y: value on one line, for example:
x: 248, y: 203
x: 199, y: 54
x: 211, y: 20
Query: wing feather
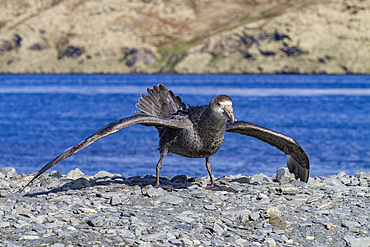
x: 108, y: 130
x: 297, y: 160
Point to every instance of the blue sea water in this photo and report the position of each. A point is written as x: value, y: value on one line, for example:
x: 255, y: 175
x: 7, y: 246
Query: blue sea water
x: 42, y: 115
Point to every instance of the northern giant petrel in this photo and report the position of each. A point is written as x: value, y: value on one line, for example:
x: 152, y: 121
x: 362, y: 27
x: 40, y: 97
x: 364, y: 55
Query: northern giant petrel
x: 194, y: 132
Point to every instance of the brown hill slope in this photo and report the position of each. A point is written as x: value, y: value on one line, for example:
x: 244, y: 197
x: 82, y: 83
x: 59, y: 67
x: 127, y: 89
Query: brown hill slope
x: 184, y: 36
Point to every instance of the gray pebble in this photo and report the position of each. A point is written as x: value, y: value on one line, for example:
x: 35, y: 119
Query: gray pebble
x: 154, y: 236
x: 154, y: 192
x: 80, y: 183
x: 333, y: 181
x: 210, y: 207
x: 283, y: 175
x: 288, y: 189
x: 125, y: 233
x: 171, y: 199
x: 254, y: 216
x: 217, y: 229
x: 57, y: 245
x: 350, y: 223
x: 96, y: 221
x: 176, y: 242
x: 9, y: 172
x: 183, y: 227
x: 115, y: 200
x: 103, y: 174
x: 76, y: 173
x: 357, y: 242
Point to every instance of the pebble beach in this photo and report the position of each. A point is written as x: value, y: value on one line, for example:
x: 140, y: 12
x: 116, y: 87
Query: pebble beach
x: 111, y: 210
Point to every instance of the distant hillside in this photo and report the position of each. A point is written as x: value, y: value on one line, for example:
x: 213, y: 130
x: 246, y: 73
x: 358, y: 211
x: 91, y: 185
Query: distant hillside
x: 185, y: 36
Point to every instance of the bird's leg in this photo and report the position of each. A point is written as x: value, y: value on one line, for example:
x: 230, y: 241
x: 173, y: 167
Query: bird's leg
x: 213, y: 185
x: 208, y: 165
x: 158, y: 168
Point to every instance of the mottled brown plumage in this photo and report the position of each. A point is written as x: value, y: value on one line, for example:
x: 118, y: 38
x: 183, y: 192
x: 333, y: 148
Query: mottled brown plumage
x: 194, y: 132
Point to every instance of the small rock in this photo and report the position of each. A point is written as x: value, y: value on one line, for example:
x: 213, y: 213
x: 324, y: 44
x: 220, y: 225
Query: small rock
x: 154, y: 236
x: 242, y: 180
x: 144, y: 244
x: 289, y: 241
x: 95, y: 221
x: 330, y: 226
x: 363, y: 175
x: 341, y: 174
x: 55, y: 174
x: 103, y: 174
x: 115, y: 200
x: 284, y: 238
x: 326, y: 205
x: 261, y: 196
x: 3, y: 193
x: 332, y: 181
x: 125, y: 233
x: 270, y: 242
x: 186, y: 241
x: 254, y: 216
x: 354, y: 181
x: 185, y: 219
x: 350, y: 224
x: 357, y: 242
x: 145, y: 189
x: 127, y: 213
x: 30, y: 237
x: 57, y: 245
x: 170, y: 236
x: 289, y: 190
x: 310, y: 237
x: 9, y: 172
x: 273, y: 213
x: 241, y: 242
x: 88, y: 210
x: 259, y: 179
x: 152, y: 192
x: 176, y: 242
x: 213, y: 197
x: 39, y: 219
x: 80, y: 183
x: 210, y: 207
x: 76, y: 173
x: 283, y: 175
x: 64, y: 234
x: 179, y: 179
x: 4, y: 224
x: 171, y: 199
x: 217, y: 229
x: 183, y: 227
x: 345, y: 180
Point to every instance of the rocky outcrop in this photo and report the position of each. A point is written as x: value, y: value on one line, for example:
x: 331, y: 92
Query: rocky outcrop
x: 316, y: 38
x: 185, y: 36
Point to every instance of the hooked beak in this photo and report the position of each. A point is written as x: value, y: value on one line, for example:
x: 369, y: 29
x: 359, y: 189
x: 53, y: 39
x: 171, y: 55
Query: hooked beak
x: 228, y: 111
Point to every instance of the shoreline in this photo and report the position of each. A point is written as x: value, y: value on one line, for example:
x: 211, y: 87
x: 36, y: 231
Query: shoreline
x: 110, y: 210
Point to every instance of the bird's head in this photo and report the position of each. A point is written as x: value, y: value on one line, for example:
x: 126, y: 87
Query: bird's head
x: 222, y: 106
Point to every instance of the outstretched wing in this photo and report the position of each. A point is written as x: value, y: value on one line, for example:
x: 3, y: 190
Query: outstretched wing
x: 108, y: 130
x: 297, y: 160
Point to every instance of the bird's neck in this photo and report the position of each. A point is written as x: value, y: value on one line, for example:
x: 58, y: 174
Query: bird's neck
x: 212, y: 124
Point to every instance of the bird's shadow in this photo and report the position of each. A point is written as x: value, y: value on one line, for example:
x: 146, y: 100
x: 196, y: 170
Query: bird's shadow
x: 177, y: 182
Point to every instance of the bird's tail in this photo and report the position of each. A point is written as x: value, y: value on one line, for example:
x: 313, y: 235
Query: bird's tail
x: 160, y: 102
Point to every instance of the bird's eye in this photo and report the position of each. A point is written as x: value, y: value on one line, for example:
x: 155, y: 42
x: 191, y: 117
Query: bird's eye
x: 219, y: 104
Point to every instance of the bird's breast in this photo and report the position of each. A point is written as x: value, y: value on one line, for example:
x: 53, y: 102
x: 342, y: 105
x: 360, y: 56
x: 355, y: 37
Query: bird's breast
x: 190, y: 143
